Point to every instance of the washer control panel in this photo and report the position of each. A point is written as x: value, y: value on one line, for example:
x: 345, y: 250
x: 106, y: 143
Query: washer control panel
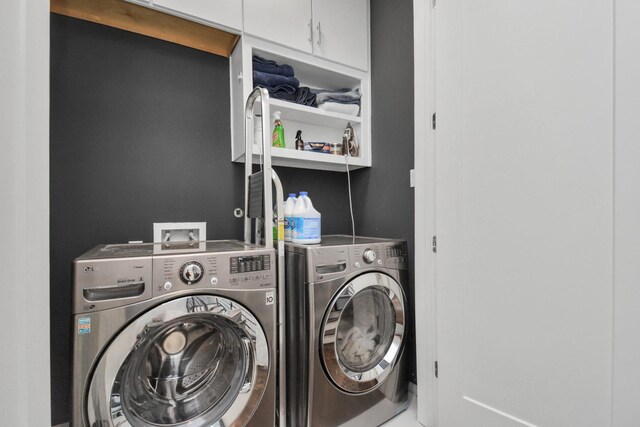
x: 191, y: 272
x: 248, y: 264
x: 234, y: 270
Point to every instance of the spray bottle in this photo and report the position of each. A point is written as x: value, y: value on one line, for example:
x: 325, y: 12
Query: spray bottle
x: 278, y: 131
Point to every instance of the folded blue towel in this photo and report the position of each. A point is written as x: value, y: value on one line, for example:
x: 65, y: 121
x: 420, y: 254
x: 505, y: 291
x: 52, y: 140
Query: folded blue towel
x: 302, y: 96
x: 342, y: 96
x: 275, y: 82
x: 268, y: 66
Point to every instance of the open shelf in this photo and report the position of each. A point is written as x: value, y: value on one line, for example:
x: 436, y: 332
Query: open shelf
x: 288, y: 157
x: 317, y: 125
x: 312, y: 115
x: 318, y: 74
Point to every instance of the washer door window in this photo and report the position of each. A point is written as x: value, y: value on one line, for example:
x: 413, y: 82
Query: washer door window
x: 362, y: 332
x: 199, y: 360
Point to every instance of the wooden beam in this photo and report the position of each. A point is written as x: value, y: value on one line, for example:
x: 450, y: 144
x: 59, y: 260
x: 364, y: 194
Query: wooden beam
x: 149, y: 22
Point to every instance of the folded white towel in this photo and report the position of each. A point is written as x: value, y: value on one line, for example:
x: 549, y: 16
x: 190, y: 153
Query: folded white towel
x: 336, y: 107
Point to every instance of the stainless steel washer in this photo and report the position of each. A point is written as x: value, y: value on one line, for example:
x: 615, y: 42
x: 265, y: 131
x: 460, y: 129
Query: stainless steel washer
x: 174, y: 336
x: 346, y: 326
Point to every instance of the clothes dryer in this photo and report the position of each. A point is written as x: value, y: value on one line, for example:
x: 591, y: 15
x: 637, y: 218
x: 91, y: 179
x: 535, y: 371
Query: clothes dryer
x: 346, y: 331
x: 174, y: 336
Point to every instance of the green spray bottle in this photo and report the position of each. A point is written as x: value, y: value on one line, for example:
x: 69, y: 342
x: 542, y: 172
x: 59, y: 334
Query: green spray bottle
x: 278, y: 131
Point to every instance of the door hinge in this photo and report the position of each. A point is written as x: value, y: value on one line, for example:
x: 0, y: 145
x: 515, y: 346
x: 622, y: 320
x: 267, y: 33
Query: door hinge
x: 433, y: 121
x: 434, y: 245
x: 435, y: 369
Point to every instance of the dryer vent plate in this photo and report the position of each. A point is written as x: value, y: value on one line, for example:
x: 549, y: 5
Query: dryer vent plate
x: 166, y: 232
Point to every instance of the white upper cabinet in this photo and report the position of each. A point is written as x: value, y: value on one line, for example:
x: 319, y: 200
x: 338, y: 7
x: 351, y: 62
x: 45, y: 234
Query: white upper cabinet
x: 337, y: 30
x: 341, y: 31
x: 220, y: 13
x: 287, y: 22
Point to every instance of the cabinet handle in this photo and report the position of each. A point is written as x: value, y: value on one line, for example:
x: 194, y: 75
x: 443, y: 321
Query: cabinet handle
x: 319, y: 34
x: 310, y: 33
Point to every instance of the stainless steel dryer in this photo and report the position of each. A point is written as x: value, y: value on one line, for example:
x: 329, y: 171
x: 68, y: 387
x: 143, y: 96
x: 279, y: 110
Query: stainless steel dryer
x: 170, y: 336
x: 346, y: 325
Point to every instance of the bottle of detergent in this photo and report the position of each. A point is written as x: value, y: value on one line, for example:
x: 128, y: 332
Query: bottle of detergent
x: 306, y: 221
x: 288, y: 213
x: 278, y: 131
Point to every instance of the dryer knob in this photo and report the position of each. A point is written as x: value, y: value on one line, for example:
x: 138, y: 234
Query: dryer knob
x: 369, y: 256
x: 191, y: 272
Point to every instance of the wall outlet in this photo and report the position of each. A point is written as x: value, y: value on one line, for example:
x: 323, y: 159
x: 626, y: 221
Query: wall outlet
x: 164, y: 232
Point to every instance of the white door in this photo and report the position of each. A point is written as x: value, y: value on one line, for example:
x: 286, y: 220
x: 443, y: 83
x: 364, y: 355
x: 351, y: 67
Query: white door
x: 524, y: 204
x: 341, y: 31
x: 287, y: 22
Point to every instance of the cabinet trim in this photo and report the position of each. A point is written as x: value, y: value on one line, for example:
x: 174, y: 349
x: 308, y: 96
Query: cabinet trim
x: 148, y: 22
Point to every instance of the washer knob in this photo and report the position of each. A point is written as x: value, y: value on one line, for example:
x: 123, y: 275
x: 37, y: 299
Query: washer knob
x: 369, y: 256
x: 191, y: 272
x: 167, y: 286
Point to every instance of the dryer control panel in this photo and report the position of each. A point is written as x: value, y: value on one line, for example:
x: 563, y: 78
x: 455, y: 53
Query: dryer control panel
x: 380, y: 255
x: 334, y: 261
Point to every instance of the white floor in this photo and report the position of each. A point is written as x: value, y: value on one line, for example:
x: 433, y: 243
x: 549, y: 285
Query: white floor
x: 407, y: 418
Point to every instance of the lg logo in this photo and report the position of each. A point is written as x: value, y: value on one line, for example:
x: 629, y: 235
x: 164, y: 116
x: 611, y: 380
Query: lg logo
x: 270, y: 298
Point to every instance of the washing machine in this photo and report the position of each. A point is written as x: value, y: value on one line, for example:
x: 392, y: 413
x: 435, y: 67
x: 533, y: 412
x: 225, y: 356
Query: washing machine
x: 170, y: 335
x: 346, y: 331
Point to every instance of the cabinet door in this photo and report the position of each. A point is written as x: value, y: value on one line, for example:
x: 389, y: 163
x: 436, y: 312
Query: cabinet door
x: 287, y: 22
x: 227, y: 13
x: 341, y: 31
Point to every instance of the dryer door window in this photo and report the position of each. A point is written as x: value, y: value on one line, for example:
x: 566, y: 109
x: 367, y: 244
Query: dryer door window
x: 363, y: 332
x: 199, y: 360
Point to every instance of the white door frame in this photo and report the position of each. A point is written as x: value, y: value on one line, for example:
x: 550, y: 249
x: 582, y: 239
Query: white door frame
x: 626, y: 344
x: 425, y: 265
x: 24, y: 212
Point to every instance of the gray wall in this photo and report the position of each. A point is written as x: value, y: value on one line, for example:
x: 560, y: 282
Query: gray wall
x: 140, y: 133
x: 383, y: 198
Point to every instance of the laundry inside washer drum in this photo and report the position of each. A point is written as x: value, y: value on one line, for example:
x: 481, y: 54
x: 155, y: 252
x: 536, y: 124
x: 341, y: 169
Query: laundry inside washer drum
x: 189, y: 369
